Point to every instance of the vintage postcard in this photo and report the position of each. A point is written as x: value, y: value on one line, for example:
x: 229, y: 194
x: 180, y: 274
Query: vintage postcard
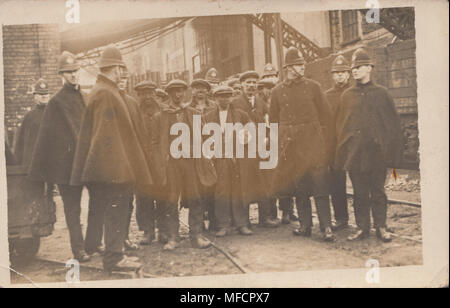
x: 224, y: 144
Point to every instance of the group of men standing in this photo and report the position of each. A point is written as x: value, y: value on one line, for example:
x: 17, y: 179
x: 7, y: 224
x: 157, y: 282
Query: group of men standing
x: 119, y: 148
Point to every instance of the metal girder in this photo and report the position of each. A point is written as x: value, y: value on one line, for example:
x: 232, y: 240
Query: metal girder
x: 398, y: 21
x: 291, y: 37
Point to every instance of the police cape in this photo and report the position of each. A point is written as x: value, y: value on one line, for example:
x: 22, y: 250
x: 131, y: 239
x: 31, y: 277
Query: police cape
x: 368, y: 130
x: 109, y: 150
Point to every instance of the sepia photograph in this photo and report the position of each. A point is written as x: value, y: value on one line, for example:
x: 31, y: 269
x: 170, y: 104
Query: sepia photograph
x: 220, y: 144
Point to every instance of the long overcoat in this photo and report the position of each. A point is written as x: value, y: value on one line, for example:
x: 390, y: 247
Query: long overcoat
x: 246, y: 168
x: 304, y: 117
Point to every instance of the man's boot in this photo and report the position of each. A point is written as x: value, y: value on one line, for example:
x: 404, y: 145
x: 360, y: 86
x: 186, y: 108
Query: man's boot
x: 200, y: 242
x: 148, y: 239
x: 384, y: 235
x: 358, y: 235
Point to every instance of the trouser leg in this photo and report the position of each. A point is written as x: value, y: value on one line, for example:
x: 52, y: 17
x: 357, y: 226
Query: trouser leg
x: 223, y: 194
x: 191, y: 193
x: 71, y: 196
x: 207, y: 197
x: 361, y: 202
x: 286, y: 204
x: 145, y: 213
x: 378, y: 198
x: 304, y: 209
x: 339, y: 195
x: 323, y: 211
x: 319, y: 181
x: 96, y: 220
x: 117, y: 200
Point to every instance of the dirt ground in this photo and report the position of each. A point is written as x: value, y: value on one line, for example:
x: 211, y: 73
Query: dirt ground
x: 268, y: 250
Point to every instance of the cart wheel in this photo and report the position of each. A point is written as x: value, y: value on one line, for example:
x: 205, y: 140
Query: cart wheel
x: 26, y: 249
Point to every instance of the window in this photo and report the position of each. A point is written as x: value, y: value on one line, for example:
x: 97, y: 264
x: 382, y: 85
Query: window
x: 350, y: 26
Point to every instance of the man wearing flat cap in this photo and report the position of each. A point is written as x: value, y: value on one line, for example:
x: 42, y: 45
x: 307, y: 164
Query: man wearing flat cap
x: 256, y: 110
x: 340, y: 71
x: 369, y: 140
x: 303, y: 114
x: 161, y: 96
x: 179, y: 177
x: 236, y: 85
x: 110, y: 157
x: 147, y: 204
x: 55, y: 148
x: 201, y: 102
x: 230, y: 208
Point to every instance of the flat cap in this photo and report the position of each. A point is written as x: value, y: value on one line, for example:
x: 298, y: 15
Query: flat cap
x: 232, y: 82
x: 176, y: 83
x: 202, y: 82
x: 161, y: 93
x: 146, y: 84
x: 220, y: 90
x: 266, y: 82
x: 248, y: 74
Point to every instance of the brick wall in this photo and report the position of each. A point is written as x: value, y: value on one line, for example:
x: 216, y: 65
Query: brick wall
x: 30, y: 52
x: 395, y: 68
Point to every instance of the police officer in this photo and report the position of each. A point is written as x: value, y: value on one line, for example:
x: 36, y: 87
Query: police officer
x: 340, y: 72
x: 270, y: 72
x: 302, y: 111
x: 55, y: 147
x: 369, y: 139
x: 212, y: 77
x: 256, y: 110
x: 180, y: 177
x: 111, y: 158
x: 26, y: 135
